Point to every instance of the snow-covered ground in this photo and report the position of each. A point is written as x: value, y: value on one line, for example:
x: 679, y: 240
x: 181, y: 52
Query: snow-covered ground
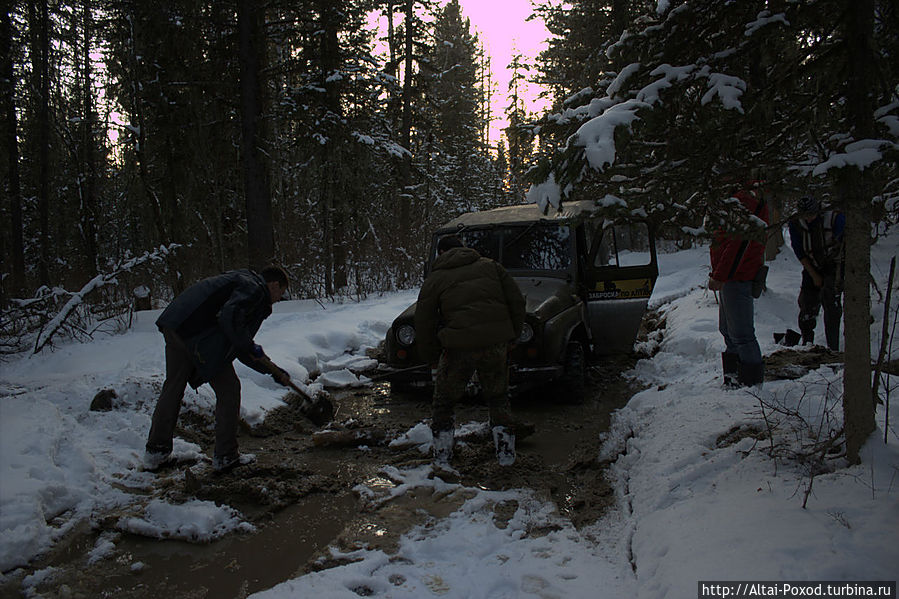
x: 699, y: 496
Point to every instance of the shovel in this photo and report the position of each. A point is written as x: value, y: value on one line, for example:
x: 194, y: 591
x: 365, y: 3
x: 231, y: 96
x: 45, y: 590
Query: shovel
x: 319, y: 410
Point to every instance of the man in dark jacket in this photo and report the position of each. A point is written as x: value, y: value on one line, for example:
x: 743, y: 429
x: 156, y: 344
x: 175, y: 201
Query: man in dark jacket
x: 816, y: 237
x: 735, y: 263
x: 205, y: 328
x: 469, y: 311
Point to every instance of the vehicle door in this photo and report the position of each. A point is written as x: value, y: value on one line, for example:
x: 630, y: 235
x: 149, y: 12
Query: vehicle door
x: 620, y: 271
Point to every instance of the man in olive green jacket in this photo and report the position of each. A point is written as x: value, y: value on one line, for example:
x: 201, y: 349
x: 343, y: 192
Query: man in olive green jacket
x: 469, y: 311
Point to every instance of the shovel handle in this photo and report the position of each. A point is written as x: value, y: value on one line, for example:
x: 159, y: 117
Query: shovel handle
x: 275, y: 370
x: 319, y: 411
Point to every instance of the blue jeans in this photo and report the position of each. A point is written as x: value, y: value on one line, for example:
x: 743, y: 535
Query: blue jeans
x: 736, y: 321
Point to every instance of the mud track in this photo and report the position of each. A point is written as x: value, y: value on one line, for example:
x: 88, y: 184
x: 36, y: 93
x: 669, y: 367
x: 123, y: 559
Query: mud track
x: 300, y: 495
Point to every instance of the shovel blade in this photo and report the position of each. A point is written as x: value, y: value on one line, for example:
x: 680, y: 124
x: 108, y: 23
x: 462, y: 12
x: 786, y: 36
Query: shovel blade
x: 319, y: 410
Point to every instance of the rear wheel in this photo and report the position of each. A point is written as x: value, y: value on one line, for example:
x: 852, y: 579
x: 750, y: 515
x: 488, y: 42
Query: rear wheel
x: 574, y: 375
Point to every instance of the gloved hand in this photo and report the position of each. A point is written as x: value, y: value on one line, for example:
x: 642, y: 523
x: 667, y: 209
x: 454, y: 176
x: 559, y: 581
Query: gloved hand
x: 281, y: 377
x: 256, y: 351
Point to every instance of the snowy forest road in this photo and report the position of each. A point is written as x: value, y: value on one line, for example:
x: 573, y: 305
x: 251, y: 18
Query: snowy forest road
x: 308, y: 493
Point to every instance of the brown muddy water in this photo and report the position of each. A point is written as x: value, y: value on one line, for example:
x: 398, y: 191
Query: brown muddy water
x: 300, y: 496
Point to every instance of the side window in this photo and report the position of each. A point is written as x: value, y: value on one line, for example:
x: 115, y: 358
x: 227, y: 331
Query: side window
x: 632, y: 241
x: 604, y: 255
x: 623, y: 245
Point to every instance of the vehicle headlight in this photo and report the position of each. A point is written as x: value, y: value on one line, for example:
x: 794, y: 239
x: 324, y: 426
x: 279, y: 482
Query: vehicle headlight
x: 527, y: 333
x: 405, y: 334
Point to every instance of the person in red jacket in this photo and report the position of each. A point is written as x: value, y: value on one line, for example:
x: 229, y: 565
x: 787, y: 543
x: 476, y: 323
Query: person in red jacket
x: 735, y: 264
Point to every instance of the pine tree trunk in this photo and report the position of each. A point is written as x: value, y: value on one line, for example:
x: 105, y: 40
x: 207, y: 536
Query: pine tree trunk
x: 406, y: 128
x: 334, y: 201
x: 40, y: 50
x: 17, y: 250
x: 858, y: 407
x: 89, y: 162
x: 260, y: 232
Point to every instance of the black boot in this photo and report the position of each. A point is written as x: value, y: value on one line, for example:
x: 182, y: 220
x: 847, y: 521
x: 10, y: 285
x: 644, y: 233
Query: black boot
x: 792, y: 338
x: 731, y: 364
x: 807, y: 327
x: 751, y: 375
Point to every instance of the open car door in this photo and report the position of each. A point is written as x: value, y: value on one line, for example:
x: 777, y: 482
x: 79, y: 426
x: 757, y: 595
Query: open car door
x: 620, y: 272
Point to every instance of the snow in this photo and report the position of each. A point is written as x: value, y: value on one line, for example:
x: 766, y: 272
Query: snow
x: 597, y: 135
x: 466, y: 555
x: 618, y: 84
x: 698, y: 495
x: 197, y: 521
x: 727, y: 88
x: 765, y: 18
x: 545, y: 194
x: 860, y: 154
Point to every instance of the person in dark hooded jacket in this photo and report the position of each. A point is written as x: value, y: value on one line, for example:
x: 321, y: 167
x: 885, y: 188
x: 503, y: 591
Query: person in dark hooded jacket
x: 205, y: 328
x: 469, y: 310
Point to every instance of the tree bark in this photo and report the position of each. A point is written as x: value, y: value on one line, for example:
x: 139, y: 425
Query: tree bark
x: 333, y: 201
x: 405, y: 203
x: 17, y: 249
x: 89, y: 161
x: 858, y: 407
x: 40, y: 47
x: 260, y: 232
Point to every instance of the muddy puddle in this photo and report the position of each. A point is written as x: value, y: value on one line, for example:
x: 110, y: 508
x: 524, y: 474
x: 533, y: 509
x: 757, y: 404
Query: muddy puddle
x: 300, y: 494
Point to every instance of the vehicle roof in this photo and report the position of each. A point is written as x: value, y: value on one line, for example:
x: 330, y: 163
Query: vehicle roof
x: 522, y: 213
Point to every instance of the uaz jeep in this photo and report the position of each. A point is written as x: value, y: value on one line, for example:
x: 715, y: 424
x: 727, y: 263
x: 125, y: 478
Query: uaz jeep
x: 587, y: 284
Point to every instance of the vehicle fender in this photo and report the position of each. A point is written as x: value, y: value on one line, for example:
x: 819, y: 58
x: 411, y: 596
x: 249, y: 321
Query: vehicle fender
x: 562, y: 328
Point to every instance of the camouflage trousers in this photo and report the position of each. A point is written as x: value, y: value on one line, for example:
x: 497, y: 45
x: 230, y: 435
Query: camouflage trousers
x: 454, y: 372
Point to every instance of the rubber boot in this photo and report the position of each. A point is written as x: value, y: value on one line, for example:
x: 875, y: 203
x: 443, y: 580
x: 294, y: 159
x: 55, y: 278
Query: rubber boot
x: 443, y: 448
x: 730, y: 362
x: 807, y: 327
x: 504, y: 441
x: 751, y: 375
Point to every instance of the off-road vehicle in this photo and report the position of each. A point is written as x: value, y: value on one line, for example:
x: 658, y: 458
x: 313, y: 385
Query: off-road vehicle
x: 587, y: 284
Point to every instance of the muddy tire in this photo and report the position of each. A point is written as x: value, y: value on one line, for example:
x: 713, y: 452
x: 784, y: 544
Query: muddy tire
x: 574, y: 377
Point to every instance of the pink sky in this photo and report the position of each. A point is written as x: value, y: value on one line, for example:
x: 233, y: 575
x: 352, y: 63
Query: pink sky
x: 502, y: 27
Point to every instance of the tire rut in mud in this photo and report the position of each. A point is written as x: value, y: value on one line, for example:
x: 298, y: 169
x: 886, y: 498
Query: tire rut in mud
x: 300, y: 496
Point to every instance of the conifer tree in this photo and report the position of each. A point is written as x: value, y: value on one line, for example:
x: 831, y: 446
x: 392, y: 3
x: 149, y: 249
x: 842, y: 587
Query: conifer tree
x: 519, y: 133
x: 703, y: 93
x: 453, y: 106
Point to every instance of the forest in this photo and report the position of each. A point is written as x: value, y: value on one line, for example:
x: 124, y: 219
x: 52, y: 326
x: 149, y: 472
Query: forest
x: 146, y: 145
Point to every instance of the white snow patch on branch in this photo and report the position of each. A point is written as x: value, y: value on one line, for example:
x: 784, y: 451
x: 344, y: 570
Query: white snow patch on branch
x: 764, y: 18
x: 669, y: 76
x: 622, y: 78
x: 362, y: 138
x: 726, y: 87
x: 610, y: 201
x: 597, y: 135
x: 577, y: 97
x: 890, y: 121
x: 860, y: 154
x: 545, y: 194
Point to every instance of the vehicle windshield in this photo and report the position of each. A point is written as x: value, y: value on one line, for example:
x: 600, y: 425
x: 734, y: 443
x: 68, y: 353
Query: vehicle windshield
x: 526, y: 247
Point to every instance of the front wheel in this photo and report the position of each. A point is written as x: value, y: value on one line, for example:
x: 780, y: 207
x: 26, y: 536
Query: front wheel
x: 574, y: 375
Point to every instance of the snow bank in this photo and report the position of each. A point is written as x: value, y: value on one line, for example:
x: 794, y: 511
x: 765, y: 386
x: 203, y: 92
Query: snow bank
x: 468, y: 555
x: 699, y: 498
x: 61, y: 463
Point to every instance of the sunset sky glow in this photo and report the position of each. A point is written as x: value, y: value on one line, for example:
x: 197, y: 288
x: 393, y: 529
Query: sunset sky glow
x: 503, y: 28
